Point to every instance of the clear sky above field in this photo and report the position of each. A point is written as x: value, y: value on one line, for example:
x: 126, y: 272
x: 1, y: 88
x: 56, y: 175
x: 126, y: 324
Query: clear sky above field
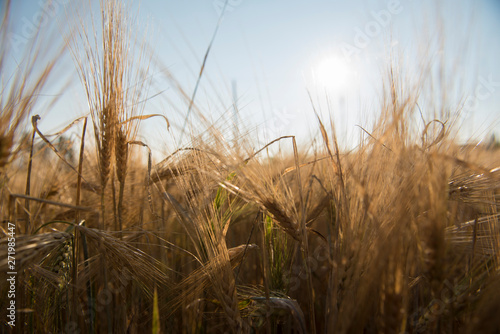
x: 276, y: 51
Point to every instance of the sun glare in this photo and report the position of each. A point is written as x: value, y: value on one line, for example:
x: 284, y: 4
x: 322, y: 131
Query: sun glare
x: 334, y: 74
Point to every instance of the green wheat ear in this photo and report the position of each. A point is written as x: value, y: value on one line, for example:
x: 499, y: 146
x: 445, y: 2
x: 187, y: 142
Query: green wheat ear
x: 221, y: 196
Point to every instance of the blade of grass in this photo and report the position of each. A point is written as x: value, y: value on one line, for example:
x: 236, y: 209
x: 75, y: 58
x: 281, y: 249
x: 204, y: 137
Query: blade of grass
x: 191, y: 102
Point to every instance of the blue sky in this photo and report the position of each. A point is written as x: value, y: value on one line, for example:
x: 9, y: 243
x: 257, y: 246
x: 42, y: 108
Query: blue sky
x: 276, y: 51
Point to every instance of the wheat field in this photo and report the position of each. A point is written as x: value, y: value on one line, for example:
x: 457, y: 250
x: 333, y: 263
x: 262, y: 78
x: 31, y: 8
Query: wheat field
x: 399, y: 235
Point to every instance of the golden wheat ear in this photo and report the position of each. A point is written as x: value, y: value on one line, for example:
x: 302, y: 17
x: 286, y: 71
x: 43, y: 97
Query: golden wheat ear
x: 32, y: 248
x: 20, y: 92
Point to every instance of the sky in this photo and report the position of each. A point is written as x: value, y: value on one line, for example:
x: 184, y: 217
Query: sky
x: 280, y: 59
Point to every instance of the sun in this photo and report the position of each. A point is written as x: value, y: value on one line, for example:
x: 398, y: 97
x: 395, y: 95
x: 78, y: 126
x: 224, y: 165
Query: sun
x: 334, y: 74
